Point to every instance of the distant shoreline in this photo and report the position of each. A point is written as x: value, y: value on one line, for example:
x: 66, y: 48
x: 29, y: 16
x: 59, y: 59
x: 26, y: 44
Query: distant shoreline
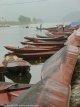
x: 4, y: 23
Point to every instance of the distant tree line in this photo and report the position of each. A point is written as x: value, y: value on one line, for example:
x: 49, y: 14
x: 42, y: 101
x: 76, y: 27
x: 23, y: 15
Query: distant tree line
x: 27, y: 20
x: 21, y: 20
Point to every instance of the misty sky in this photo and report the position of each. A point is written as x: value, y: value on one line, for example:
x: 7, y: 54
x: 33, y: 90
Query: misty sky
x: 48, y: 10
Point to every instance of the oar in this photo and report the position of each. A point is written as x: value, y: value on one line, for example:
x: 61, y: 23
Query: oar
x: 6, y: 90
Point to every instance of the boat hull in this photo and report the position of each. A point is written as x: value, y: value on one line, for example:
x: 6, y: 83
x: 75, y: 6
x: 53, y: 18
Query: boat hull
x: 9, y: 91
x: 30, y: 50
x: 48, y: 44
x: 48, y: 39
x: 32, y: 56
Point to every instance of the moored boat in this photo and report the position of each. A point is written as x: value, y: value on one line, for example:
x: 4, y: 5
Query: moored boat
x: 29, y: 49
x: 62, y: 38
x: 36, y: 41
x: 62, y: 33
x: 37, y: 55
x: 35, y: 46
x: 47, y: 43
x: 53, y: 34
x: 9, y: 91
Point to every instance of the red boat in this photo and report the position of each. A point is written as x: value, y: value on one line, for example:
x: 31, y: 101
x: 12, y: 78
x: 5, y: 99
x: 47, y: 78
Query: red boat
x: 47, y: 44
x: 35, y: 46
x: 9, y: 91
x: 39, y: 36
x: 52, y: 29
x: 36, y: 55
x: 35, y: 41
x: 50, y: 34
x: 47, y: 39
x: 62, y: 33
x: 29, y: 49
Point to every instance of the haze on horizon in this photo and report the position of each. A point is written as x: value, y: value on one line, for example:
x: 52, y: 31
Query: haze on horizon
x: 47, y: 10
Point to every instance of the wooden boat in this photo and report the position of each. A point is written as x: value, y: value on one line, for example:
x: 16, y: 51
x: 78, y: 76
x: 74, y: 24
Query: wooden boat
x: 52, y: 29
x: 36, y: 41
x: 25, y: 43
x: 54, y: 89
x: 35, y: 46
x: 50, y: 34
x: 47, y: 39
x: 62, y: 33
x: 37, y: 55
x: 60, y: 28
x: 48, y: 44
x: 39, y: 36
x: 9, y: 91
x: 29, y: 49
x: 15, y: 66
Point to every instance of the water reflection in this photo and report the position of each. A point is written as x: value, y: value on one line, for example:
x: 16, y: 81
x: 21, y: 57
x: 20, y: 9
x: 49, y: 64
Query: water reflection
x: 2, y: 78
x: 17, y: 75
x: 20, y: 78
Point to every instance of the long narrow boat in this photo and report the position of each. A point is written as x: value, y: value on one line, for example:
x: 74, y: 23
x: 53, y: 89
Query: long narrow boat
x: 67, y: 28
x: 25, y: 42
x: 52, y: 29
x: 9, y: 91
x: 47, y: 44
x: 55, y: 87
x: 47, y: 39
x: 36, y: 41
x: 35, y: 46
x: 49, y: 35
x: 29, y: 49
x: 53, y: 34
x: 37, y: 55
x: 62, y: 33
